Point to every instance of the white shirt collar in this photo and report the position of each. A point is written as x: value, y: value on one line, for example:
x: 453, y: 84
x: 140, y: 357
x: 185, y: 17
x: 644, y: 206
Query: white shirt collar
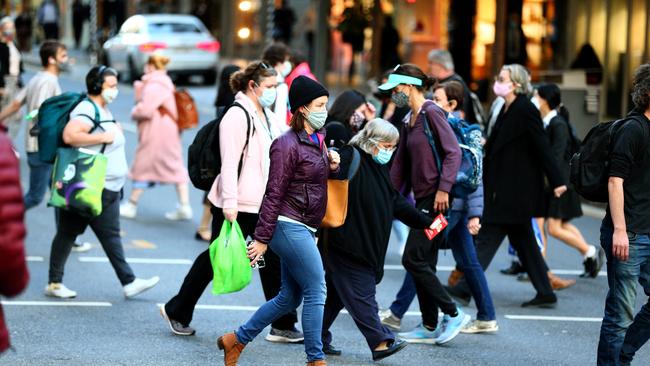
x: 547, y: 120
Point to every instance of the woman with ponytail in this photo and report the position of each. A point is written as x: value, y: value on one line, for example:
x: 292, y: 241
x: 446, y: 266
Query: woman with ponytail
x: 158, y: 158
x: 415, y: 166
x: 561, y: 210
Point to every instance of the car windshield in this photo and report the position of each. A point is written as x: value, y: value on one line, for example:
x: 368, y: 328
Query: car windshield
x: 158, y: 28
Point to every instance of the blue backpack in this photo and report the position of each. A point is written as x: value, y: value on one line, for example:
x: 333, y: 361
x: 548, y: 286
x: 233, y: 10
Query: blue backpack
x: 469, y: 137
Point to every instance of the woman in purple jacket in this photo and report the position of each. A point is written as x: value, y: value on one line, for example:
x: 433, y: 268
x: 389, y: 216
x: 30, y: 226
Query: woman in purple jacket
x: 415, y: 167
x: 293, y: 208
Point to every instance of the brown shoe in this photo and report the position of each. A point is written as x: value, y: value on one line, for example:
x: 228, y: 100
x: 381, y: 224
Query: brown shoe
x: 231, y: 348
x: 454, y: 277
x: 558, y: 283
x: 317, y: 363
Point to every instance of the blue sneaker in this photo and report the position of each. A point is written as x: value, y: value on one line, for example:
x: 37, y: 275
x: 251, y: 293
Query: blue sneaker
x: 451, y: 326
x: 421, y: 335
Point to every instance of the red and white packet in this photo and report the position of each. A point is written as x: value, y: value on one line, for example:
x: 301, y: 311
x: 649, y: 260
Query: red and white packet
x: 439, y: 224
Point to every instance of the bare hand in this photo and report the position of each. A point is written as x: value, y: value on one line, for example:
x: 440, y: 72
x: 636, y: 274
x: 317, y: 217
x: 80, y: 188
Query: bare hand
x: 441, y: 203
x: 230, y: 214
x: 559, y: 191
x: 108, y: 137
x: 474, y: 225
x: 255, y: 251
x: 371, y: 112
x: 621, y: 245
x: 334, y: 158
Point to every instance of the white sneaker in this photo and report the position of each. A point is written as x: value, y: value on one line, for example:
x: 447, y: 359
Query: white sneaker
x: 480, y: 326
x: 140, y: 285
x: 184, y: 212
x: 128, y: 210
x: 81, y: 248
x: 390, y: 320
x: 59, y: 290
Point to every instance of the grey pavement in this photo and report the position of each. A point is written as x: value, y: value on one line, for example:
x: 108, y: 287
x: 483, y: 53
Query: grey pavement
x: 100, y: 327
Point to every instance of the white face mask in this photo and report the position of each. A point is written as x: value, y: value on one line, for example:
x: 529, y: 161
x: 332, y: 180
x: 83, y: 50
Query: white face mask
x: 286, y: 69
x: 535, y: 102
x: 109, y: 95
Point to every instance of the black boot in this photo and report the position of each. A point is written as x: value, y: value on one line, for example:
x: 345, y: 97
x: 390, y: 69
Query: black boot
x: 514, y: 269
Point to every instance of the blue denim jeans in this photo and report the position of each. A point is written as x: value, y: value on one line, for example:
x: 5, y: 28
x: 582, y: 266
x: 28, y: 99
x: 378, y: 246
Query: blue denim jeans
x: 621, y: 335
x: 40, y: 175
x: 303, y: 277
x: 462, y: 247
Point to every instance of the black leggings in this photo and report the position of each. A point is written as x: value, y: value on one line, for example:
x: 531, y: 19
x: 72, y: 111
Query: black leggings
x: 181, y: 306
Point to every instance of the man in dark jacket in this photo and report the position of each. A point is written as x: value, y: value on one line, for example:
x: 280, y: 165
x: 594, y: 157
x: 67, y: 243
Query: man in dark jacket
x: 13, y: 268
x: 625, y: 232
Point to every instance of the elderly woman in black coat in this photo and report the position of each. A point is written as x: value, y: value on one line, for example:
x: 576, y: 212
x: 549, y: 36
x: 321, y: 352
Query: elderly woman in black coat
x: 354, y: 253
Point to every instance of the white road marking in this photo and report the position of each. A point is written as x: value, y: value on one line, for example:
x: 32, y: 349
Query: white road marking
x: 554, y: 318
x: 254, y: 308
x: 573, y: 272
x: 57, y: 303
x: 139, y: 260
x: 31, y: 258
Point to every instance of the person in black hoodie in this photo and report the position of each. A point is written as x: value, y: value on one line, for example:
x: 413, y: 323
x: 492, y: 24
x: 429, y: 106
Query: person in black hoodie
x: 354, y: 253
x: 349, y: 113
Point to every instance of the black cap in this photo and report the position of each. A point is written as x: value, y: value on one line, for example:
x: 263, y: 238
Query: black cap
x: 303, y: 91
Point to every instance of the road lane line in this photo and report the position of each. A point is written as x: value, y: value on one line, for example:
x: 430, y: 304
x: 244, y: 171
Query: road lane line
x: 554, y: 318
x: 139, y: 260
x: 57, y: 303
x: 254, y: 308
x: 388, y: 267
x: 32, y: 258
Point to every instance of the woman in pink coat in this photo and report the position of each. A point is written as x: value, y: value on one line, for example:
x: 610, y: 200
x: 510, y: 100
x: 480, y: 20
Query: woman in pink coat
x: 158, y: 158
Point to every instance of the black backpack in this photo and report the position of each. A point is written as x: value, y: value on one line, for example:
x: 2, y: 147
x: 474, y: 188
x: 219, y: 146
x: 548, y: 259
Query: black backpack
x: 589, y: 172
x: 204, y: 154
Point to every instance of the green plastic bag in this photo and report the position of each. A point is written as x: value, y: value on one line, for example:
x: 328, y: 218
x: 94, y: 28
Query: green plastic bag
x: 230, y: 264
x: 78, y: 181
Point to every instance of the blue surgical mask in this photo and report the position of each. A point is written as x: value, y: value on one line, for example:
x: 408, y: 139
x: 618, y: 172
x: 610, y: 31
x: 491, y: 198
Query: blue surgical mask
x: 286, y: 69
x: 316, y: 119
x: 268, y: 97
x: 383, y: 156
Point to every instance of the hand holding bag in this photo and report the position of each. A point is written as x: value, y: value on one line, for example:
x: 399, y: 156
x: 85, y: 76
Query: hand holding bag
x: 230, y: 262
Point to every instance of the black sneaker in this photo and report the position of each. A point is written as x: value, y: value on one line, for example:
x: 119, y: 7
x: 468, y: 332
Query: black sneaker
x: 328, y: 349
x: 459, y: 296
x: 176, y: 326
x: 514, y: 269
x: 547, y: 302
x: 285, y: 336
x: 594, y: 264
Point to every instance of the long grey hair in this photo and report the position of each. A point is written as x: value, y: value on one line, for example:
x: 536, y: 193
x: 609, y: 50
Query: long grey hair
x: 376, y: 131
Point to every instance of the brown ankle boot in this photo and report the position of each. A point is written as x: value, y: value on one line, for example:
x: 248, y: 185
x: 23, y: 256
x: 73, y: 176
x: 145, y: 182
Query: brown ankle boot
x: 317, y: 363
x: 454, y: 277
x: 558, y: 283
x: 231, y: 348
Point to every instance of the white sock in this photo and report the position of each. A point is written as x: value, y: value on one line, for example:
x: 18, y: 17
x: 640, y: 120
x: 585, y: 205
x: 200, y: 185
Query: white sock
x: 591, y: 252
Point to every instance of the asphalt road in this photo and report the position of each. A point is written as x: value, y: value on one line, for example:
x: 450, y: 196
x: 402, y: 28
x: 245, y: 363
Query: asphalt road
x: 100, y: 327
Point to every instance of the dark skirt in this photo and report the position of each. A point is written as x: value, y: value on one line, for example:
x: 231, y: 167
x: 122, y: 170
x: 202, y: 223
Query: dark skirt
x: 566, y: 207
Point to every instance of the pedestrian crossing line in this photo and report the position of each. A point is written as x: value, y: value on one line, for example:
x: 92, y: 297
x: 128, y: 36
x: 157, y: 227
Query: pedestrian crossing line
x: 254, y: 308
x: 57, y: 303
x: 31, y: 258
x: 571, y: 272
x: 554, y: 318
x: 138, y: 260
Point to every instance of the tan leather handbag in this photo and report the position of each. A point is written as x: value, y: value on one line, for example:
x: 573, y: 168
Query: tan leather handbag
x: 337, y: 195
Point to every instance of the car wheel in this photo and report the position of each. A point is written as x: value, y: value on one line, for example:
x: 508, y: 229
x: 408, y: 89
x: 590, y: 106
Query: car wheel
x: 134, y: 75
x: 210, y: 77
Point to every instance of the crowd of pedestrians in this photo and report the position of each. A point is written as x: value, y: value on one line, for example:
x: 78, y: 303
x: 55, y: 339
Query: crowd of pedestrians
x: 280, y: 144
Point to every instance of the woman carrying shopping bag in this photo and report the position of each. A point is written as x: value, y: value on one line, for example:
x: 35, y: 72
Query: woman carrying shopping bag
x: 237, y: 196
x: 293, y: 208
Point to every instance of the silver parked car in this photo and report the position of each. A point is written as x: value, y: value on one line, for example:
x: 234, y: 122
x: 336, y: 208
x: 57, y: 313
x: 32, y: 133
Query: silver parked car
x: 182, y: 38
